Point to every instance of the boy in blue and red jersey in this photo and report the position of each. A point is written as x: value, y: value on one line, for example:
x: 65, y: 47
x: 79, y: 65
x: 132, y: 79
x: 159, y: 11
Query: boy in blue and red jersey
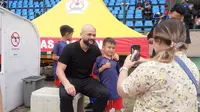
x: 66, y: 32
x: 108, y: 71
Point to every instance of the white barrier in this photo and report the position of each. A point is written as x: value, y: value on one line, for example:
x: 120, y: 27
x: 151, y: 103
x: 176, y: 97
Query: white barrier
x: 47, y: 100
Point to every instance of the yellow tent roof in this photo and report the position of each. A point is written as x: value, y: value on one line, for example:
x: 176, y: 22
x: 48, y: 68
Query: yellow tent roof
x: 95, y: 13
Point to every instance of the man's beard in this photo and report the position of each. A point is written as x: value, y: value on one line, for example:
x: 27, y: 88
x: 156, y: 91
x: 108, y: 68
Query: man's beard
x: 86, y: 42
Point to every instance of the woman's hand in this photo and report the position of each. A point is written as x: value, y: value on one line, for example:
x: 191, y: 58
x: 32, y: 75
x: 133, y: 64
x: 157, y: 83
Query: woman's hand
x: 128, y: 63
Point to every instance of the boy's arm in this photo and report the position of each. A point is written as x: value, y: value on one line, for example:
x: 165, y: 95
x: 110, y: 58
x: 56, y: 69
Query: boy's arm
x: 55, y: 52
x: 98, y: 69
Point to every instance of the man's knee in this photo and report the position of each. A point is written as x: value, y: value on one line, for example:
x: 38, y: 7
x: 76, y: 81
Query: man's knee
x: 64, y: 96
x: 104, y: 92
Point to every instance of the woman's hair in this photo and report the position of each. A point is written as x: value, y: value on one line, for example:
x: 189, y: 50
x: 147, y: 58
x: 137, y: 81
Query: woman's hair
x: 170, y: 32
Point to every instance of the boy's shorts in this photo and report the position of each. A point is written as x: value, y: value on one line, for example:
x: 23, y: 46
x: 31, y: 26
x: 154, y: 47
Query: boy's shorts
x: 116, y: 104
x: 57, y: 82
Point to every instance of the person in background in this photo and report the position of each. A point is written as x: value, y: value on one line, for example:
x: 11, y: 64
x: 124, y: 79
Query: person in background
x: 161, y: 84
x: 3, y: 4
x: 66, y: 33
x: 177, y: 12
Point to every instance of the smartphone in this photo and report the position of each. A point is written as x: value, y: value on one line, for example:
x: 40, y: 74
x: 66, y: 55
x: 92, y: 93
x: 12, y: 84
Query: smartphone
x: 133, y: 49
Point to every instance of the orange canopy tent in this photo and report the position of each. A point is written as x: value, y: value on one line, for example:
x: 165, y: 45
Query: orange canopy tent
x: 77, y: 13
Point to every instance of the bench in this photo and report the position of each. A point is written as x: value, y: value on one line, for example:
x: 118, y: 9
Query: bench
x: 47, y: 99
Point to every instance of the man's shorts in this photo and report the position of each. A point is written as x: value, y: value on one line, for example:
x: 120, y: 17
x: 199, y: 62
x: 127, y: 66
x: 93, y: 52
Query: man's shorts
x: 116, y: 104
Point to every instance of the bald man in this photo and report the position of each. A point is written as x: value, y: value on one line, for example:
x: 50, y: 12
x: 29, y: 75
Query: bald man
x: 74, y: 68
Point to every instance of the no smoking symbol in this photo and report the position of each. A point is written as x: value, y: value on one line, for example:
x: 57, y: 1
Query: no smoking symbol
x: 15, y: 39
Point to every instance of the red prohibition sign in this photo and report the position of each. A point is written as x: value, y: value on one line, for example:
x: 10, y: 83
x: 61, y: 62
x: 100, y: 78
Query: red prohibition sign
x: 15, y: 39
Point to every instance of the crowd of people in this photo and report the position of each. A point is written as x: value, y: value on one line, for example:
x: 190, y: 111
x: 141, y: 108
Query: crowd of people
x: 160, y: 83
x: 191, y: 16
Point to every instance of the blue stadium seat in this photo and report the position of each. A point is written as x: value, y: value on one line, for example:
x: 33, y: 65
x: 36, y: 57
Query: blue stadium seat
x: 30, y: 3
x: 24, y: 13
x: 41, y: 5
x: 132, y: 8
x: 138, y: 23
x: 48, y: 5
x: 129, y: 23
x: 31, y: 13
x: 129, y: 16
x: 138, y: 11
x: 12, y: 10
x: 18, y: 13
x: 53, y: 4
x: 117, y: 8
x: 132, y: 2
x: 36, y: 3
x: 30, y: 10
x: 25, y: 17
x: 110, y: 8
x: 18, y: 10
x: 120, y: 16
x: 36, y: 6
x: 148, y: 23
x: 162, y: 7
x: 31, y: 17
x: 57, y: 1
x: 118, y: 3
x: 162, y: 2
x: 111, y: 4
x: 138, y: 16
x: 19, y: 6
x: 24, y: 10
x: 31, y: 6
x: 121, y: 12
x: 155, y: 9
x: 114, y: 12
x: 25, y: 6
x: 154, y: 2
x: 37, y: 10
x: 138, y: 29
x: 130, y: 12
x: 147, y: 29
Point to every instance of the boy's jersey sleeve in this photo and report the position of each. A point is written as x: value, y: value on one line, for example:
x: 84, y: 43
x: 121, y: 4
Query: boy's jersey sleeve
x: 97, y: 65
x: 56, y: 48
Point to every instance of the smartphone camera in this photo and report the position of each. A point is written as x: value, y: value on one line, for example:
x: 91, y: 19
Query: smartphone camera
x: 135, y: 48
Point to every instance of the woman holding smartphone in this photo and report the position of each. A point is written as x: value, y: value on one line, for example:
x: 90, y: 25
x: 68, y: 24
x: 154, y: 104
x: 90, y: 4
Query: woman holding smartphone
x: 161, y: 84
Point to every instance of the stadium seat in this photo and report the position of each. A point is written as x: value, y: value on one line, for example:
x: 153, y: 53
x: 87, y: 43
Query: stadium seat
x: 130, y: 12
x: 162, y: 2
x: 120, y: 17
x: 138, y: 23
x: 138, y: 29
x: 129, y: 23
x: 117, y: 8
x: 138, y: 11
x: 147, y: 29
x: 154, y: 2
x: 148, y: 23
x: 31, y: 17
x: 129, y: 16
x: 12, y: 10
x: 138, y: 16
x: 115, y: 12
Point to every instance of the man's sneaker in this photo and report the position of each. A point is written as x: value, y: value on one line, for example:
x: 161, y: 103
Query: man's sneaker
x: 88, y: 106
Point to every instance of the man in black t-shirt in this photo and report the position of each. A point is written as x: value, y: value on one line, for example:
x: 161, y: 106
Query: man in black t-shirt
x: 177, y: 12
x: 74, y: 68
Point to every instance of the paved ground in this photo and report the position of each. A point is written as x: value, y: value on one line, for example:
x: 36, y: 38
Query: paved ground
x: 127, y: 102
